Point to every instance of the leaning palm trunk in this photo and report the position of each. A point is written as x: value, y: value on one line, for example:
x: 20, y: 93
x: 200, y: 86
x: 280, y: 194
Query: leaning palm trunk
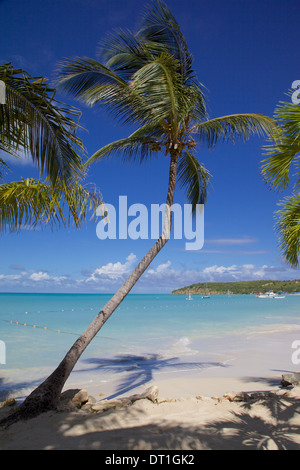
x: 46, y: 396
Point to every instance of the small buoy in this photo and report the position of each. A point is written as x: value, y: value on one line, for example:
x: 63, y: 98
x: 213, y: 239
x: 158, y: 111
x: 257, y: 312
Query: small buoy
x: 33, y: 326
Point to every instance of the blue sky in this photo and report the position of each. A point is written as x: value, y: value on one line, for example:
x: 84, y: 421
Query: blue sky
x: 246, y: 53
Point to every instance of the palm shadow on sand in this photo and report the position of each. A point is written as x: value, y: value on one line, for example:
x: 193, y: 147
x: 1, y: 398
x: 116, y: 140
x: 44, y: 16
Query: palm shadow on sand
x: 139, y: 369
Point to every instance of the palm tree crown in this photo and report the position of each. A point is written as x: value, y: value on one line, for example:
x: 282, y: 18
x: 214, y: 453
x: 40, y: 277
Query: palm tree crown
x: 147, y: 79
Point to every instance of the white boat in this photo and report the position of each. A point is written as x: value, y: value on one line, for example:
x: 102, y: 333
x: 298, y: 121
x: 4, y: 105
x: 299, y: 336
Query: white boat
x: 270, y: 295
x: 206, y: 296
x: 267, y: 295
x: 189, y: 297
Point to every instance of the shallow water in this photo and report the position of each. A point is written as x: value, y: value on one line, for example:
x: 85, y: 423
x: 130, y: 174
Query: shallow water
x: 161, y: 332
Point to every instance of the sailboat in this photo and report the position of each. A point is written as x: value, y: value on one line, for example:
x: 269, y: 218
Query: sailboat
x: 189, y: 297
x: 206, y: 296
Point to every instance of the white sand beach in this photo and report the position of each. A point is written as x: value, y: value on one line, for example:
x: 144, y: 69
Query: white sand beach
x: 190, y: 412
x: 267, y: 422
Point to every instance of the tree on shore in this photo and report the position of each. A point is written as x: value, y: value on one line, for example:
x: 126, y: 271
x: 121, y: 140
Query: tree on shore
x: 146, y: 79
x: 33, y: 124
x: 284, y: 153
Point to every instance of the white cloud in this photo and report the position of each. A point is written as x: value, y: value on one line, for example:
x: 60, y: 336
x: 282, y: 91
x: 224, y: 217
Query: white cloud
x: 10, y: 277
x: 42, y: 276
x: 113, y: 271
x: 159, y: 277
x: 161, y: 268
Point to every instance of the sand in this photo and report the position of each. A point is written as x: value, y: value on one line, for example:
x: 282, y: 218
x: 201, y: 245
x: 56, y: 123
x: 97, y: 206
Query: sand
x: 191, y: 412
x: 265, y: 422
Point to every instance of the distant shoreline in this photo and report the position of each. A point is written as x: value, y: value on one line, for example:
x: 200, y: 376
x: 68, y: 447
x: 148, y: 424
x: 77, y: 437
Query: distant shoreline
x: 240, y: 287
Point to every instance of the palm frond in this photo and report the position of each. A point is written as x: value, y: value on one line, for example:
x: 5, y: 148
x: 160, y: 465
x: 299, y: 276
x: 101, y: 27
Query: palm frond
x: 3, y: 167
x: 139, y: 145
x: 231, y: 127
x: 162, y: 33
x: 194, y: 179
x: 31, y: 119
x: 123, y: 52
x: 30, y: 202
x: 288, y: 228
x: 95, y: 84
x: 159, y: 85
x: 284, y: 148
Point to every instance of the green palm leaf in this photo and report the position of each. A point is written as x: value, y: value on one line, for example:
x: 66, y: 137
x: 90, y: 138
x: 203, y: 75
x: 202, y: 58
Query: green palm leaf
x: 284, y: 147
x: 194, y: 178
x: 147, y: 79
x: 232, y: 127
x: 284, y: 151
x: 95, y: 84
x: 288, y: 228
x: 162, y: 33
x: 123, y: 52
x: 30, y: 202
x: 3, y: 167
x: 31, y: 119
x: 139, y: 145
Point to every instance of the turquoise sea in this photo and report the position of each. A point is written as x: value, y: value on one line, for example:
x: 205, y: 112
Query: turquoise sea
x: 38, y: 329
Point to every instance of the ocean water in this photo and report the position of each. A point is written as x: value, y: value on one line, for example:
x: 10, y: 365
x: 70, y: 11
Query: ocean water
x: 38, y: 329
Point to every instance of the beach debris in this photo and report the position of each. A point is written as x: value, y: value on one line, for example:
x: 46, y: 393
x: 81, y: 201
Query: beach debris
x: 290, y: 379
x: 201, y: 397
x: 110, y: 404
x: 7, y: 407
x: 8, y: 402
x: 239, y: 396
x: 75, y: 396
x: 150, y: 393
x: 75, y: 399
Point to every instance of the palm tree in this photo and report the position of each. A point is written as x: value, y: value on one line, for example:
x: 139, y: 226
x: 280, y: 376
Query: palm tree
x: 34, y: 123
x: 146, y: 80
x: 284, y: 151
